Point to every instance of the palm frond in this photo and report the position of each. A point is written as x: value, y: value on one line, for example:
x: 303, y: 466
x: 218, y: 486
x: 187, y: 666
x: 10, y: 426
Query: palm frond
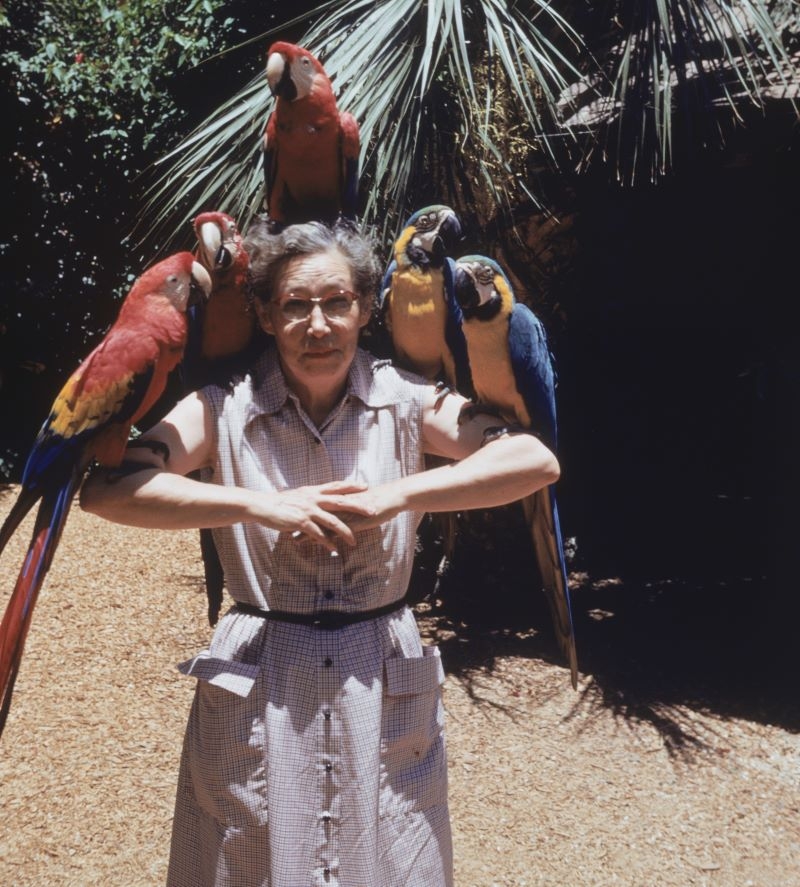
x: 397, y: 66
x: 676, y: 64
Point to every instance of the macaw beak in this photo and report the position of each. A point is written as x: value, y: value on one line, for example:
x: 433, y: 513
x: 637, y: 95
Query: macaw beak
x: 279, y: 77
x: 449, y: 234
x: 215, y: 252
x: 200, y: 285
x: 466, y: 291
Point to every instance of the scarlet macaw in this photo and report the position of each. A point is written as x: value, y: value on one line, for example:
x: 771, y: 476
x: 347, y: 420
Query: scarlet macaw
x: 311, y: 149
x: 91, y: 419
x: 513, y: 375
x: 223, y: 333
x: 417, y: 303
x: 223, y: 337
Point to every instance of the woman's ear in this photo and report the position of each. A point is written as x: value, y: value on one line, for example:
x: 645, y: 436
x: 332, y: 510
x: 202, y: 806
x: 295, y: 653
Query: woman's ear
x: 264, y: 315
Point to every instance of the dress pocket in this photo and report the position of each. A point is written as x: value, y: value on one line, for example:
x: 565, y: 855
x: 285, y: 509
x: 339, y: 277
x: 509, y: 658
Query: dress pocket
x: 225, y: 740
x: 413, y: 761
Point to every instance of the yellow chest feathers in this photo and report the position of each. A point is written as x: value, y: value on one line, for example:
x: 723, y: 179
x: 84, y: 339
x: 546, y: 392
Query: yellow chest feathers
x: 490, y: 365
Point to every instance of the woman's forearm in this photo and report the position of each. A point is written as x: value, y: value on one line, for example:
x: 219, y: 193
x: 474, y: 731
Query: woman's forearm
x: 503, y: 471
x: 156, y: 499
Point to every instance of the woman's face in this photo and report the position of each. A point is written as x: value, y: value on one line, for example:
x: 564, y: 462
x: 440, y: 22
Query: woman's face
x: 315, y: 352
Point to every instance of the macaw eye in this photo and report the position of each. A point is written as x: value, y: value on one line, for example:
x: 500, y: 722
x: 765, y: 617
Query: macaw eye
x: 424, y: 223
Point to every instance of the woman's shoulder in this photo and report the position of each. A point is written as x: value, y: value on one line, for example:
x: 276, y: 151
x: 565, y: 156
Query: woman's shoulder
x: 382, y: 381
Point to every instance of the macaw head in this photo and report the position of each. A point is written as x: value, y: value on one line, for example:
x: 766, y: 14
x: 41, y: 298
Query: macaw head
x: 179, y: 279
x: 292, y: 72
x: 482, y: 288
x: 219, y: 243
x: 429, y: 236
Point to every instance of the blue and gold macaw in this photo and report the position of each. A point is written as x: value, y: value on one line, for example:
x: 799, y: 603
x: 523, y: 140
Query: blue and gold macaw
x: 513, y: 375
x: 418, y: 309
x: 417, y: 303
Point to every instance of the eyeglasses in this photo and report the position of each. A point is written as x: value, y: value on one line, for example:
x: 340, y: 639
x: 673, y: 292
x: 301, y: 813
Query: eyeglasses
x: 334, y: 306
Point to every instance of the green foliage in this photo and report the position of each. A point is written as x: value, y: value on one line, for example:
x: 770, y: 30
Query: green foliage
x: 91, y: 92
x: 108, y: 65
x: 467, y: 103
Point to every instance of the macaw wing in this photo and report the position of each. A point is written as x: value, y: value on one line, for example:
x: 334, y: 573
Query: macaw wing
x: 384, y: 296
x: 541, y: 512
x: 533, y: 371
x: 350, y: 147
x: 454, y: 331
x: 113, y: 388
x: 270, y: 157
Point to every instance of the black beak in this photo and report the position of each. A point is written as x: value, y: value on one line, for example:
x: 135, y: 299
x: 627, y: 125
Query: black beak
x: 465, y: 290
x: 285, y: 87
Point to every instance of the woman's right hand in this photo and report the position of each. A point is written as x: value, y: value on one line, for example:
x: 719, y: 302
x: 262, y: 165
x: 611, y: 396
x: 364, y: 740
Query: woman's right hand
x: 310, y: 512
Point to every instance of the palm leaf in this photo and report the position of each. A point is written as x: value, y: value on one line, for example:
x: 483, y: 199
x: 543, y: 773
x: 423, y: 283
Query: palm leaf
x: 695, y: 63
x: 396, y: 65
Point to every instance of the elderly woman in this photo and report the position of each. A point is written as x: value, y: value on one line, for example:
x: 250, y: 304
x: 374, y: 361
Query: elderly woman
x: 314, y: 753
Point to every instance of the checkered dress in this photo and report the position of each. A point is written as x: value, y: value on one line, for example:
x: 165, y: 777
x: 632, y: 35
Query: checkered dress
x: 315, y: 757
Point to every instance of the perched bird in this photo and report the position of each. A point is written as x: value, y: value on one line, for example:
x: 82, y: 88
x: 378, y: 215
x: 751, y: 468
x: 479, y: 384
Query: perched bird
x: 417, y: 303
x: 311, y: 149
x: 91, y: 419
x: 223, y: 333
x: 420, y: 314
x: 223, y: 337
x: 513, y: 375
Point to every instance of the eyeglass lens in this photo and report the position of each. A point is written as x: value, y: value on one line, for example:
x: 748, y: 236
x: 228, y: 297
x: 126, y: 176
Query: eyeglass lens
x: 333, y: 306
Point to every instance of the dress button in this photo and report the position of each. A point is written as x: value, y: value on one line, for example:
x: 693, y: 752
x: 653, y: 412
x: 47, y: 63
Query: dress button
x: 326, y: 714
x: 328, y: 767
x: 327, y: 872
x: 326, y: 817
x: 328, y: 595
x: 328, y: 662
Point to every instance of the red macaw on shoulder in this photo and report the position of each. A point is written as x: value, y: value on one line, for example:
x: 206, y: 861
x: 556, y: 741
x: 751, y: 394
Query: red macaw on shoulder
x: 223, y: 333
x: 91, y: 419
x: 223, y: 339
x: 311, y: 149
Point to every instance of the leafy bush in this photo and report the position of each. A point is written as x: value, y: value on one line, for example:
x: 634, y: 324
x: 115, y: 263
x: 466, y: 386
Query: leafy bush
x: 91, y: 96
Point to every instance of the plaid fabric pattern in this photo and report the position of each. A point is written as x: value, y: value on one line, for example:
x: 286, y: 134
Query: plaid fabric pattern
x: 315, y: 757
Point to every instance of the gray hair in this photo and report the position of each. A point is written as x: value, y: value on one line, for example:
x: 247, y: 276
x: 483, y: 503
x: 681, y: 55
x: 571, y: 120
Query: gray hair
x: 270, y: 253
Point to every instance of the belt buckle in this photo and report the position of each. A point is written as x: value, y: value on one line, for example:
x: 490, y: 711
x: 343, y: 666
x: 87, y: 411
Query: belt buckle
x: 328, y: 621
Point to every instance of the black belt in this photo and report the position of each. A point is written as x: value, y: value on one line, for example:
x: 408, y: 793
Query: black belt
x: 328, y: 620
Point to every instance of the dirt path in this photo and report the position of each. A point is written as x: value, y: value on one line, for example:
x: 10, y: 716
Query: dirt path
x: 548, y: 786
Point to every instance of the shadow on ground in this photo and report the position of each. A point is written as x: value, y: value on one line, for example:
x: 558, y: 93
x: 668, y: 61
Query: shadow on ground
x: 649, y: 647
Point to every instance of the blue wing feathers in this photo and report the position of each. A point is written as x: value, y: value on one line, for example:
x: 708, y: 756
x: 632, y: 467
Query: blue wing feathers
x: 533, y: 371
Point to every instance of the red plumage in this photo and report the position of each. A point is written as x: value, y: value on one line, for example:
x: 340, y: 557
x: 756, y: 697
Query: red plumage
x: 311, y: 148
x: 227, y: 320
x: 114, y: 387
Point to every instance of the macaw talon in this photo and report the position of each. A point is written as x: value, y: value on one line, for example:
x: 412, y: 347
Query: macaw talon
x: 156, y: 447
x: 471, y: 410
x: 442, y: 390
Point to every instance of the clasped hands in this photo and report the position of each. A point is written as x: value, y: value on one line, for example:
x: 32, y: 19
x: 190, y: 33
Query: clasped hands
x: 330, y: 513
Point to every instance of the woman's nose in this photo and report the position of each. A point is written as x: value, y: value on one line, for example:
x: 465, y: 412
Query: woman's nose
x: 317, y: 322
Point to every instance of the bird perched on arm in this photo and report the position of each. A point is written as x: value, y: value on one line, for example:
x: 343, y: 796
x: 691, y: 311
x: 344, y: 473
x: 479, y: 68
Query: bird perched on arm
x: 417, y: 303
x: 91, y: 419
x: 311, y: 149
x: 513, y: 376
